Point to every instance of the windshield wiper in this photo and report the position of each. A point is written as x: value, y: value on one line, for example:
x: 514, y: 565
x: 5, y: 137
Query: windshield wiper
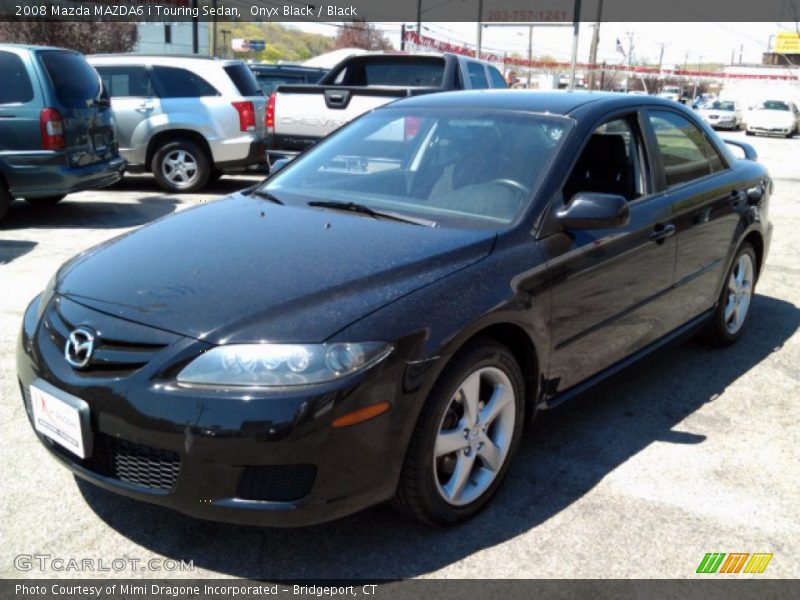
x: 264, y: 194
x: 366, y: 210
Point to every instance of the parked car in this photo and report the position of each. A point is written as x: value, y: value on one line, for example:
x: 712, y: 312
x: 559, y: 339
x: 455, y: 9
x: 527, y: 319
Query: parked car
x: 187, y: 120
x: 270, y: 77
x: 56, y: 130
x: 673, y: 93
x: 300, y: 116
x: 380, y: 317
x: 776, y: 117
x: 722, y: 114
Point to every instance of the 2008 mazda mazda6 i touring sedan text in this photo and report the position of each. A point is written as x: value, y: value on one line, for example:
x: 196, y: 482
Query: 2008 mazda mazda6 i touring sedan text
x: 380, y: 317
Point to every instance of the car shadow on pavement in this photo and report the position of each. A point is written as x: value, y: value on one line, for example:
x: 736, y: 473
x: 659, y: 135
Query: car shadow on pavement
x: 560, y: 460
x: 223, y: 186
x: 88, y: 214
x: 11, y: 250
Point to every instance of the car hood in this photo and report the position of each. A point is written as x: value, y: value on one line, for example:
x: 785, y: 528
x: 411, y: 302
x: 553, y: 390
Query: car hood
x: 776, y: 118
x: 244, y: 270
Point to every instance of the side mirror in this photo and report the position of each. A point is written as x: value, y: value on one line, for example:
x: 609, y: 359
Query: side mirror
x: 748, y: 151
x: 590, y: 210
x: 278, y: 165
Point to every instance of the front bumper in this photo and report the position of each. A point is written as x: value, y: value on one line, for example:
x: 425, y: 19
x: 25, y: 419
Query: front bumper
x: 770, y: 130
x: 235, y: 456
x: 256, y: 157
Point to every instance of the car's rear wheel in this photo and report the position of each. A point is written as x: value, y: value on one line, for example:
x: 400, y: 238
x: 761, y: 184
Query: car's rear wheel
x: 181, y: 167
x: 46, y: 201
x: 748, y: 132
x: 736, y: 299
x: 465, y: 437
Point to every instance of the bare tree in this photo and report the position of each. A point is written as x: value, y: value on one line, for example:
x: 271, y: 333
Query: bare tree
x: 85, y: 37
x: 360, y: 34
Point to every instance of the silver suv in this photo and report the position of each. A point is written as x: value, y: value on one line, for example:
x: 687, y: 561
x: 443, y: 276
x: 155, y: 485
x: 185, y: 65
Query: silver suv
x: 186, y: 119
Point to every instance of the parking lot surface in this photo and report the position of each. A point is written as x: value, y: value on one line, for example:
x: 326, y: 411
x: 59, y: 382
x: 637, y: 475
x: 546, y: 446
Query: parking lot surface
x: 692, y: 451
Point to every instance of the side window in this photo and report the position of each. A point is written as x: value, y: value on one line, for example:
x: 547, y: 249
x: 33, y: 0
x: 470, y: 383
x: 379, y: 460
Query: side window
x: 496, y: 78
x: 685, y: 152
x: 16, y: 88
x: 180, y: 83
x: 612, y: 162
x: 477, y: 76
x: 127, y: 82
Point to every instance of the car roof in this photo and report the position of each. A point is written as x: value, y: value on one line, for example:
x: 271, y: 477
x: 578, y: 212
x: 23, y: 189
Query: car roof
x: 161, y: 59
x: 34, y: 48
x: 555, y: 102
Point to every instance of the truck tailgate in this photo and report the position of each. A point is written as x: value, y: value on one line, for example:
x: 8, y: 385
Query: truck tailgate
x: 307, y: 113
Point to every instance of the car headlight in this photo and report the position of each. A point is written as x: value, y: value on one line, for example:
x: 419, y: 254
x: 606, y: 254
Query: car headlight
x: 281, y: 365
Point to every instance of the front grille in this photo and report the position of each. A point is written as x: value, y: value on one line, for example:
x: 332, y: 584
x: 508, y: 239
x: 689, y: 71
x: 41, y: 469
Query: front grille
x: 134, y: 463
x: 276, y: 483
x: 111, y: 356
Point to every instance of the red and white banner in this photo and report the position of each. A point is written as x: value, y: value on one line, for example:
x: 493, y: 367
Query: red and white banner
x: 427, y: 43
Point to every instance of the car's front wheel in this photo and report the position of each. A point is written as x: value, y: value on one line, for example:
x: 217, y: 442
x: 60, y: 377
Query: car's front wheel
x: 181, y: 167
x: 736, y: 298
x: 465, y: 437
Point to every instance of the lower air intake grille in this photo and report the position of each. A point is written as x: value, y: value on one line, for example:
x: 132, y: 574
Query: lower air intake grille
x: 133, y: 463
x: 276, y: 483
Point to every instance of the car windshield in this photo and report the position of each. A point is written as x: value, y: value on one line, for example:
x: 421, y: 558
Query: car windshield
x: 717, y: 105
x: 773, y: 105
x: 456, y: 167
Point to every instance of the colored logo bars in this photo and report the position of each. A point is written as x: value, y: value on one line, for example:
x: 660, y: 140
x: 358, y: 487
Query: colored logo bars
x: 734, y: 562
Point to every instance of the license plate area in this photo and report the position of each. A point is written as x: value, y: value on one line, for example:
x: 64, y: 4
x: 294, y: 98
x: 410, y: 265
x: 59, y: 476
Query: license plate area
x: 61, y: 417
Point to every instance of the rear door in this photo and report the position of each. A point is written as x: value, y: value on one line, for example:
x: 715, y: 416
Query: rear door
x: 85, y: 110
x: 706, y: 199
x: 20, y: 103
x: 135, y: 103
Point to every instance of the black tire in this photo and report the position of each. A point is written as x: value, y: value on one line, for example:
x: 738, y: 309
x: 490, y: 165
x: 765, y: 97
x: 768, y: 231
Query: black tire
x: 5, y: 199
x: 717, y: 331
x: 46, y: 201
x: 417, y: 493
x: 194, y: 155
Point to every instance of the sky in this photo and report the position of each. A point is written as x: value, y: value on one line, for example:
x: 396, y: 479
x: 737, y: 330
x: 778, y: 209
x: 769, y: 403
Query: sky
x: 689, y: 43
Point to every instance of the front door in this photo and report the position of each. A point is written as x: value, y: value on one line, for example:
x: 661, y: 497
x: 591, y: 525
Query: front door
x: 610, y: 286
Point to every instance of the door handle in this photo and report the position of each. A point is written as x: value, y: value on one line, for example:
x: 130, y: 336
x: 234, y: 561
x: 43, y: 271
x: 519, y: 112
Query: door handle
x: 662, y: 232
x: 145, y: 107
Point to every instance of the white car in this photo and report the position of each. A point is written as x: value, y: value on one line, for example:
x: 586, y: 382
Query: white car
x: 671, y: 93
x: 776, y: 117
x: 722, y: 114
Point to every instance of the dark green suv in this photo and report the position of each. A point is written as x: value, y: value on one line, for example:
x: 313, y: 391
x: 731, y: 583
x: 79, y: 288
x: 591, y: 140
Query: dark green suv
x: 56, y: 130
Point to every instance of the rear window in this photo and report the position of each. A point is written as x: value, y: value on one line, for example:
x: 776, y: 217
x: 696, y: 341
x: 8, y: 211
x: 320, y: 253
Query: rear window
x: 243, y: 79
x: 74, y: 80
x: 16, y: 88
x: 180, y: 83
x: 774, y: 105
x: 422, y: 73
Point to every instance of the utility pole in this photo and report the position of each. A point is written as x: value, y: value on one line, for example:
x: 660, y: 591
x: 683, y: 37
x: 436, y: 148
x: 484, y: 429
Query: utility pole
x: 699, y: 66
x: 630, y: 62
x: 660, y: 66
x: 576, y: 24
x: 225, y: 33
x: 403, y: 37
x: 741, y: 51
x: 595, y: 43
x: 480, y: 29
x: 530, y: 53
x: 419, y: 18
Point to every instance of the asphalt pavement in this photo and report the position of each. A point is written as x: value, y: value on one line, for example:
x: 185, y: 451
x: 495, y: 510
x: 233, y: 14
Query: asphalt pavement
x: 692, y: 451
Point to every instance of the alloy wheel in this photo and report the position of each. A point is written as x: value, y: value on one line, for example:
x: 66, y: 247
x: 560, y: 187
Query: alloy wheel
x: 180, y: 168
x: 474, y: 436
x: 740, y: 293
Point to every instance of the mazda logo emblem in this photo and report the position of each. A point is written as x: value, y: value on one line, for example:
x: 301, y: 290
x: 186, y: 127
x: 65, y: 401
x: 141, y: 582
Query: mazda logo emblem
x: 79, y: 347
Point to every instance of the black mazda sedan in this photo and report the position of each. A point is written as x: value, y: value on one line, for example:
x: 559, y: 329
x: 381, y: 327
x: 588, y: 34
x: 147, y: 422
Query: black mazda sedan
x: 379, y: 319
